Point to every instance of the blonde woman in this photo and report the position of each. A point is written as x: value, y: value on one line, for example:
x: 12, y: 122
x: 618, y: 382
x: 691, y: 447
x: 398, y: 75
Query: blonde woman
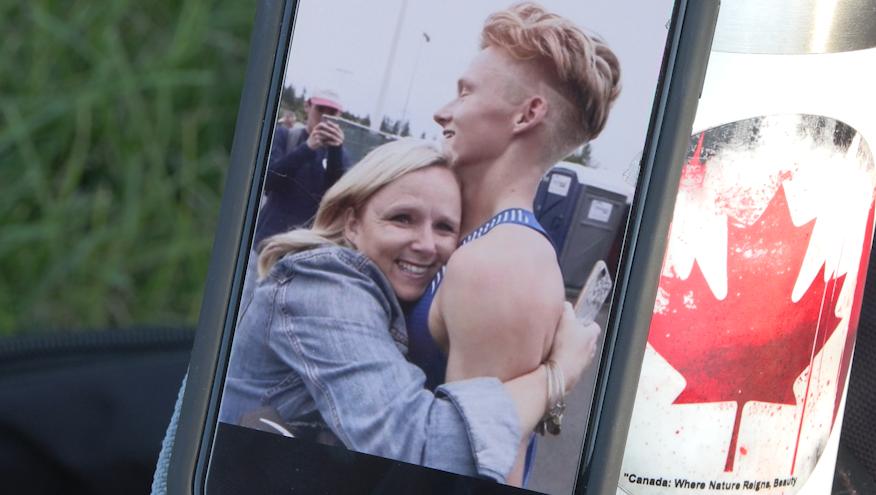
x: 321, y: 348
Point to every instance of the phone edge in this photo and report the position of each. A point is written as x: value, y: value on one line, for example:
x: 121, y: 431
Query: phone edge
x: 603, y: 450
x: 252, y: 132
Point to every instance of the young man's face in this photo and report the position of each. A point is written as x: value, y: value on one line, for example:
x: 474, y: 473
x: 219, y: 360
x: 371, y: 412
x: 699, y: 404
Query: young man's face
x: 478, y: 122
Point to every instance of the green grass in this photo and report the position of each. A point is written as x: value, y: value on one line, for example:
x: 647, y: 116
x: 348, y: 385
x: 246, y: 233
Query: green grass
x: 116, y: 119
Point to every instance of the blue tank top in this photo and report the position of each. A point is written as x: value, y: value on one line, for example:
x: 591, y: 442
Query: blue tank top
x: 422, y: 348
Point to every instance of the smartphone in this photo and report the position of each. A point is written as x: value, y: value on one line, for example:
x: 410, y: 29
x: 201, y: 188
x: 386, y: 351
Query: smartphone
x: 320, y: 365
x: 594, y: 294
x: 333, y: 119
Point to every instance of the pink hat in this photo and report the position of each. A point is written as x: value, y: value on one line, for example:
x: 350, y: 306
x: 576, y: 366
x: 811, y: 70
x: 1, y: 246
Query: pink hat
x: 327, y: 98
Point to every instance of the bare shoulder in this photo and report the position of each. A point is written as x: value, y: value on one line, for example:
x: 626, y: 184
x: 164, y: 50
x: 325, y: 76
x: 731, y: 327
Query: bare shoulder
x: 512, y: 255
x: 501, y: 300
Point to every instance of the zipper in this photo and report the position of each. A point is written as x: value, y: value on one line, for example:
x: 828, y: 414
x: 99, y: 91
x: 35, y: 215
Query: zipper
x: 70, y: 344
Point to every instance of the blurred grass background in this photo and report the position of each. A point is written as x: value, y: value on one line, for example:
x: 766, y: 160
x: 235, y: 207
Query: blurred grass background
x: 116, y: 119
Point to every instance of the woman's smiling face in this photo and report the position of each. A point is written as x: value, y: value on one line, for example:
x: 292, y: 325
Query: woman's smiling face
x: 409, y: 228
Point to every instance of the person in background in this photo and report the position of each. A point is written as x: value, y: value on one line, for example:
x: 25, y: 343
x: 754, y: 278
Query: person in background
x: 304, y: 162
x: 287, y: 119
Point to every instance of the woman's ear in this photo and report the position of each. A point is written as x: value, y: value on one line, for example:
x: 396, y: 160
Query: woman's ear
x: 351, y: 226
x: 533, y: 112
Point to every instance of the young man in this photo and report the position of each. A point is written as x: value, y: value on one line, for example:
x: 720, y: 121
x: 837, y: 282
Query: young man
x: 304, y: 163
x: 538, y: 89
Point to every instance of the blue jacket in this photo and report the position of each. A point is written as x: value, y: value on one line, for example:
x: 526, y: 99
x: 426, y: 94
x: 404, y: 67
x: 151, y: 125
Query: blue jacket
x: 323, y: 342
x: 295, y: 182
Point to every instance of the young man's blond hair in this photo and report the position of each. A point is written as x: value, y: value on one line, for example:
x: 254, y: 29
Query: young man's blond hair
x: 581, y: 69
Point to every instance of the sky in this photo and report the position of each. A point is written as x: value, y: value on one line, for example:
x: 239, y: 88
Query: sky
x: 346, y: 45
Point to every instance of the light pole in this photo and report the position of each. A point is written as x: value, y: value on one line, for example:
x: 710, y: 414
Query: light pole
x: 377, y: 117
x: 423, y: 42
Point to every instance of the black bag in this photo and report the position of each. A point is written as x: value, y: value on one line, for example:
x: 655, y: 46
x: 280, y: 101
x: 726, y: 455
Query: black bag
x: 86, y: 412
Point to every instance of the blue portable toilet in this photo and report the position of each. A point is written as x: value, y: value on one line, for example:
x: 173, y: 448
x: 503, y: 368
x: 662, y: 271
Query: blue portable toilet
x: 584, y: 211
x: 555, y: 202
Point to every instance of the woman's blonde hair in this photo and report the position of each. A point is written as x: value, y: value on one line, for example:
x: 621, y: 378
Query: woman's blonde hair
x: 382, y: 165
x: 586, y: 71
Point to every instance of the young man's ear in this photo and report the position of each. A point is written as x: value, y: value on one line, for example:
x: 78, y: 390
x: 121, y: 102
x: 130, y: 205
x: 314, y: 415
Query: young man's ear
x: 351, y: 226
x: 533, y: 112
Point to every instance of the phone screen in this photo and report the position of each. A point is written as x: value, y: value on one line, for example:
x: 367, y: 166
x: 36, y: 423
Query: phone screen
x: 442, y: 177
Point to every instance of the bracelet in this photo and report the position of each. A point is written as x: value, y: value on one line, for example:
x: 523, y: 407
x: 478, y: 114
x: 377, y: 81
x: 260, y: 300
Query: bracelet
x: 556, y: 389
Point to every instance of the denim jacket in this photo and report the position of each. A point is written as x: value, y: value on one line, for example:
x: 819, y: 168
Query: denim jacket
x: 323, y: 340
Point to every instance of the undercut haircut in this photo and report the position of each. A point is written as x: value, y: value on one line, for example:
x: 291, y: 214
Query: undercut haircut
x: 580, y: 67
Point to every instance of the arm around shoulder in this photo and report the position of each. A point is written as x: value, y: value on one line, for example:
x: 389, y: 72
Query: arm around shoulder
x: 350, y: 356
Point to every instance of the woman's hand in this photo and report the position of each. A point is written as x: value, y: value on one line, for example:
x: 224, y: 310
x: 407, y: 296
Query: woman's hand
x: 574, y: 346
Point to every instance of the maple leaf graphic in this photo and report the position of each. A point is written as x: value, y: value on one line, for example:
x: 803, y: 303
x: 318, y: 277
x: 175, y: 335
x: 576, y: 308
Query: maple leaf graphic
x: 753, y: 344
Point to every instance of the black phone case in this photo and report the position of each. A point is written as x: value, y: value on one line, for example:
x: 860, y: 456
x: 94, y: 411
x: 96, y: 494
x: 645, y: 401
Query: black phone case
x: 647, y: 235
x: 685, y: 61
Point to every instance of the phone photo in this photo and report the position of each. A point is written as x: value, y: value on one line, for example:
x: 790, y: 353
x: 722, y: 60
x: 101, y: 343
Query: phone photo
x: 594, y: 294
x: 333, y: 119
x: 385, y: 314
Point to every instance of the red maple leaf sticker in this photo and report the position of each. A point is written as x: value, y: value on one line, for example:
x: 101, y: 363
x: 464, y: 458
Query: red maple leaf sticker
x: 753, y: 344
